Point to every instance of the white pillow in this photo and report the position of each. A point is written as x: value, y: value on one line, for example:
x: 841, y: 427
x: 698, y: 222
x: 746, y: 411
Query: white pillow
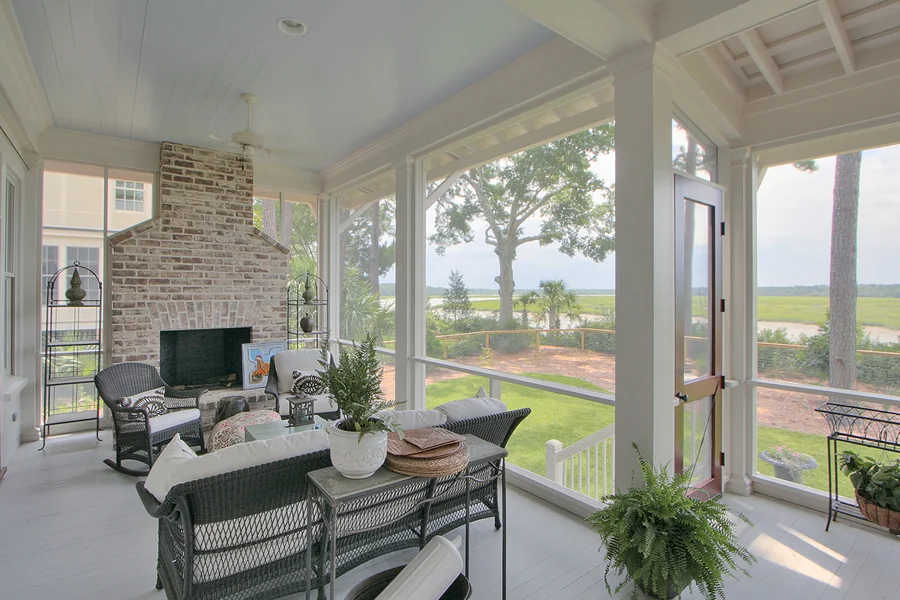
x: 470, y: 408
x: 294, y: 360
x: 159, y: 480
x: 239, y: 456
x: 413, y: 419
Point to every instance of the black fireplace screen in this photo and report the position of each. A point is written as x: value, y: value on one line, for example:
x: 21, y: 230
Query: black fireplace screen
x: 202, y: 357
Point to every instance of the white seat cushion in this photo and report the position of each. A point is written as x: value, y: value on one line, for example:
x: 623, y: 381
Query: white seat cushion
x: 413, y: 419
x: 471, y: 408
x: 239, y: 456
x: 287, y: 362
x: 173, y: 418
x: 323, y: 404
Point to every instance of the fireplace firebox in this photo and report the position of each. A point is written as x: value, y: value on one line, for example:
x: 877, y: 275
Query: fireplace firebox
x: 202, y: 357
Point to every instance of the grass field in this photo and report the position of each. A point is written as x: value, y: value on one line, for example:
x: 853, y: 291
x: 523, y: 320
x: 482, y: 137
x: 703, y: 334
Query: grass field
x: 880, y: 312
x: 568, y: 420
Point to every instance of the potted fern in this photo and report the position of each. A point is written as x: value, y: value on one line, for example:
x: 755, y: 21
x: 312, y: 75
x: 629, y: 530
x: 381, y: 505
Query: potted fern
x: 358, y: 440
x: 663, y: 539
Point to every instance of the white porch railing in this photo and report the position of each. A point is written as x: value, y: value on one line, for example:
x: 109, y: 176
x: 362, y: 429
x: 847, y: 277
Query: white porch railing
x: 587, y: 466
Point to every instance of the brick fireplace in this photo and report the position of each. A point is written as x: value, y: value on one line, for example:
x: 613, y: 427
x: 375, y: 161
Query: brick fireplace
x: 200, y: 264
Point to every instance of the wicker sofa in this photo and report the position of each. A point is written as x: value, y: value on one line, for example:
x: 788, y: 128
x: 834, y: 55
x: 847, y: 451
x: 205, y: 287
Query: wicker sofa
x: 243, y: 534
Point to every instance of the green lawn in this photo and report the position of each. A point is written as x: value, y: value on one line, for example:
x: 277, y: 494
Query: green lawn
x: 553, y: 416
x: 882, y: 312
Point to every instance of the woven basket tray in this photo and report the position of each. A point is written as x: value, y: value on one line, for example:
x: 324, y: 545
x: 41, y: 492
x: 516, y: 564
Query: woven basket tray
x: 428, y: 467
x: 879, y: 515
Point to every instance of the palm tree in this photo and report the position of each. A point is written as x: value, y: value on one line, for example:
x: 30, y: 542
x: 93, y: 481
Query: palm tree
x: 525, y: 300
x: 556, y: 300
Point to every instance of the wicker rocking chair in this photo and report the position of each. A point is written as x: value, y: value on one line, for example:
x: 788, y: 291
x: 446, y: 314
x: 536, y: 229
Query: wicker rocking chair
x: 136, y: 435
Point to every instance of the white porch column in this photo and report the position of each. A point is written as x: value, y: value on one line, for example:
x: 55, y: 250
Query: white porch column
x: 329, y: 258
x: 645, y: 264
x: 30, y: 311
x: 740, y: 333
x: 410, y: 287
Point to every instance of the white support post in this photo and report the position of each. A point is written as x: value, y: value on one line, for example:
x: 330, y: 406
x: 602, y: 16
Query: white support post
x: 330, y: 263
x: 735, y: 169
x: 740, y: 331
x: 29, y: 282
x: 410, y: 285
x: 552, y: 469
x: 645, y: 267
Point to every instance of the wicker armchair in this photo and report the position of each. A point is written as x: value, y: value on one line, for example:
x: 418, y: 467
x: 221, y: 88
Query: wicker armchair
x: 238, y: 535
x: 137, y: 436
x: 323, y: 408
x: 450, y: 512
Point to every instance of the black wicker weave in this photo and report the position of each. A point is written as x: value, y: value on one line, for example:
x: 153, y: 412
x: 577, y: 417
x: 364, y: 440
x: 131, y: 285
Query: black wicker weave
x: 241, y: 535
x: 272, y: 390
x: 131, y: 433
x: 450, y: 512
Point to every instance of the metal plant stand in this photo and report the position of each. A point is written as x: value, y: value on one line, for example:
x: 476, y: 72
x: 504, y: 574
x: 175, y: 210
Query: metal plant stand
x: 298, y: 307
x: 362, y: 519
x: 73, y: 335
x: 860, y: 426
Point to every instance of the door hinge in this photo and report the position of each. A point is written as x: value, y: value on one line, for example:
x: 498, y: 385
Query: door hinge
x: 723, y: 227
x: 723, y: 459
x: 722, y: 304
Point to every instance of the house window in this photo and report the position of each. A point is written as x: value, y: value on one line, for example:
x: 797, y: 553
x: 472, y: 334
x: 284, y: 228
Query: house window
x: 9, y: 240
x: 49, y: 267
x: 90, y: 258
x: 129, y: 195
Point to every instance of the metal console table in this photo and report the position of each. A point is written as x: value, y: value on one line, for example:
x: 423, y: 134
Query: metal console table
x: 392, y: 507
x: 860, y: 426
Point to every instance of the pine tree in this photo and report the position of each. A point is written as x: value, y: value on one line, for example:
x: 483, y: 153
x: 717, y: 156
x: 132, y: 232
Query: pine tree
x: 457, y: 307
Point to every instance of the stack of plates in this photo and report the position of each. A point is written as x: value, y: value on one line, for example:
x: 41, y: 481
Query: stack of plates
x: 431, y: 452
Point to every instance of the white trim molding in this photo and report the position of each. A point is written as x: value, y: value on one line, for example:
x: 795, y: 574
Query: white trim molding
x: 65, y: 144
x: 20, y: 82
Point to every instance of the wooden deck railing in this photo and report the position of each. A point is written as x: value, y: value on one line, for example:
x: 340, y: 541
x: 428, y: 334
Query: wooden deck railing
x: 587, y: 466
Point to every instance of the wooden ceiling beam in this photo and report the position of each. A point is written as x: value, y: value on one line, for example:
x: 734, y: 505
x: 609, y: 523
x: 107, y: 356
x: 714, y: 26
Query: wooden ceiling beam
x: 798, y: 40
x: 756, y: 48
x: 838, y: 33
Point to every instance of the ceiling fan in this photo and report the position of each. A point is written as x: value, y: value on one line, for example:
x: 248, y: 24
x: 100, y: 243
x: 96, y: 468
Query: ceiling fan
x: 248, y: 141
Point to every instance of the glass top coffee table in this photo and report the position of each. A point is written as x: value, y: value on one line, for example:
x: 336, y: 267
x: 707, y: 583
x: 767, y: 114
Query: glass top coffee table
x: 274, y: 429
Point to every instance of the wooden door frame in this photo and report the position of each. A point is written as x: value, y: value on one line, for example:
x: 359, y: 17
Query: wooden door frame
x: 708, y: 386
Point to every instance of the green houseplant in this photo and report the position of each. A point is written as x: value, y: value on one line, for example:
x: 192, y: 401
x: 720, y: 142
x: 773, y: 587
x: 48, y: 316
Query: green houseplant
x: 877, y: 487
x: 663, y: 539
x: 358, y: 439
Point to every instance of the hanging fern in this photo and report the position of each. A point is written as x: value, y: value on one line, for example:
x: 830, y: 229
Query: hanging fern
x: 663, y: 540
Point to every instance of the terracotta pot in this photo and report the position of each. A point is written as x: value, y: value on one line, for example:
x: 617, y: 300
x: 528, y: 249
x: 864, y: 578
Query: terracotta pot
x: 887, y: 518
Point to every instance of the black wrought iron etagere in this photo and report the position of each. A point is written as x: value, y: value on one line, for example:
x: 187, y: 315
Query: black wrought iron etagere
x: 862, y: 426
x: 73, y: 334
x: 307, y: 297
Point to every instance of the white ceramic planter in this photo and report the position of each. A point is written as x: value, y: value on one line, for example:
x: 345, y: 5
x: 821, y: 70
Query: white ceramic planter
x: 355, y: 458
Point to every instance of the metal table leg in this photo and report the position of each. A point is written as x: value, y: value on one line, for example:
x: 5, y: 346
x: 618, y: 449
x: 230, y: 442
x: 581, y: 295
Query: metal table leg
x: 468, y: 517
x: 505, y: 522
x: 333, y: 523
x: 309, y: 542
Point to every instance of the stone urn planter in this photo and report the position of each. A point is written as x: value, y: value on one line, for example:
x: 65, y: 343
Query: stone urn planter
x: 789, y: 465
x: 355, y: 457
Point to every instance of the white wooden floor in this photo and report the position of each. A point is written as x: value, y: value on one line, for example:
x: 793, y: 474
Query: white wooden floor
x: 71, y: 528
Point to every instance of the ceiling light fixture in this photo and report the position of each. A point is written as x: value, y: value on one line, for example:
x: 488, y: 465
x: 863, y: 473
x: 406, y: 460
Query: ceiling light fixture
x: 291, y: 26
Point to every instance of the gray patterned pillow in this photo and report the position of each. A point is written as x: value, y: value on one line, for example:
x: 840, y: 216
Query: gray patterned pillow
x: 154, y: 400
x: 307, y: 383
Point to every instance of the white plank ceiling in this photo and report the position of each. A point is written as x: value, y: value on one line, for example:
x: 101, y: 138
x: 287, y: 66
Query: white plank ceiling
x: 154, y: 70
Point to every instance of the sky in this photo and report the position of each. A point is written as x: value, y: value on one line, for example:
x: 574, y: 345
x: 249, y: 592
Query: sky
x: 794, y: 221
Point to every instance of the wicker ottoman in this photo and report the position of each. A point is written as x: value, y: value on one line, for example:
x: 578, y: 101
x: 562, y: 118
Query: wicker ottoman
x: 231, y: 431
